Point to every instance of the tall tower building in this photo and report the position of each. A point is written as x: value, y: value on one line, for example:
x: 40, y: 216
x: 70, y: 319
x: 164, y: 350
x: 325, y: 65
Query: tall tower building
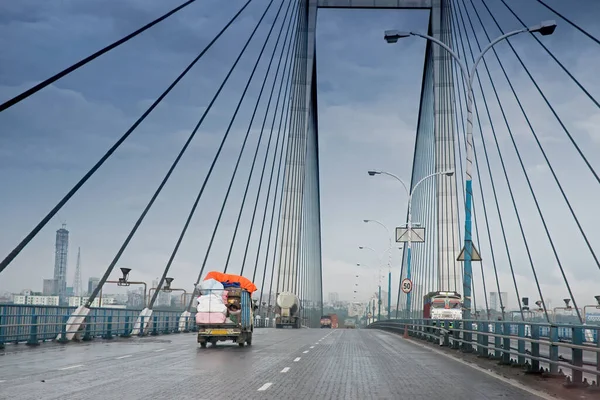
x: 60, y: 262
x: 77, y: 284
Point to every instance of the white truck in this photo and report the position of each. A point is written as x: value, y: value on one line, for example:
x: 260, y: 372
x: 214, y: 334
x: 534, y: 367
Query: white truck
x: 440, y: 306
x: 287, y: 310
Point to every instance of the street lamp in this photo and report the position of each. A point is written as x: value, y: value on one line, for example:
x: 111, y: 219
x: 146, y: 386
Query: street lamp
x: 124, y: 281
x: 389, y: 233
x: 410, y: 194
x: 391, y: 36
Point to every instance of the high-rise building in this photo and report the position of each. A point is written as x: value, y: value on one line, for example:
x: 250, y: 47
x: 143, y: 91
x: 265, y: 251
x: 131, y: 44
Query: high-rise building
x: 77, y: 285
x: 334, y: 297
x: 60, y: 262
x: 92, y: 283
x: 495, y: 300
x: 49, y: 287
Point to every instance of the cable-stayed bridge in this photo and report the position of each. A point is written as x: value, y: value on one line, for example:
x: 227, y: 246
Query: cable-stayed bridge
x: 498, y: 202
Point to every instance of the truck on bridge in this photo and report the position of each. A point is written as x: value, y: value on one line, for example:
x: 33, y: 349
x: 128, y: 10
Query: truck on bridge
x: 287, y: 310
x: 350, y: 323
x: 225, y: 309
x: 326, y: 321
x: 440, y: 305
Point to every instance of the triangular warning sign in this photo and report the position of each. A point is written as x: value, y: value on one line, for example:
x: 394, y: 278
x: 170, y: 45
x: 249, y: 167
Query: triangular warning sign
x: 474, y: 255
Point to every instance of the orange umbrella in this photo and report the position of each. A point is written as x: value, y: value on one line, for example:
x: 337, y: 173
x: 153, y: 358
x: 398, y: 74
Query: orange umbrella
x: 245, y: 283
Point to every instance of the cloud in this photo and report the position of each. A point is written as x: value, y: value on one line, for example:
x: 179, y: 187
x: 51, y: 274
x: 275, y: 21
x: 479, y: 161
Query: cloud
x: 368, y: 109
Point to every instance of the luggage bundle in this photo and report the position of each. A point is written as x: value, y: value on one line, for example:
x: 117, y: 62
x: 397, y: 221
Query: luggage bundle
x: 220, y: 298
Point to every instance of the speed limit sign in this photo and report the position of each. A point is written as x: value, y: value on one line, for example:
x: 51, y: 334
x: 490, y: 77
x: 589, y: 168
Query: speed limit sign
x: 406, y: 285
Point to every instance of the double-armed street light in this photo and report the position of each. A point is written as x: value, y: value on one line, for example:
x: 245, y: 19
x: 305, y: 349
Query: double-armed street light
x: 409, y: 225
x: 391, y: 36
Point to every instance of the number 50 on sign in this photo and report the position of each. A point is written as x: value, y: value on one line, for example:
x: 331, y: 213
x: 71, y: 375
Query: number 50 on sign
x: 406, y: 285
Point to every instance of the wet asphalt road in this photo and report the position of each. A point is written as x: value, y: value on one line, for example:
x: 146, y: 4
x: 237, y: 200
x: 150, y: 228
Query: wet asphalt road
x: 281, y: 364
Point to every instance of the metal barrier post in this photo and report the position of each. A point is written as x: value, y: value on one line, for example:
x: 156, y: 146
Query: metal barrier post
x: 553, y: 349
x: 467, y: 336
x: 498, y: 340
x: 166, y: 331
x: 597, y: 337
x: 33, y: 331
x: 446, y: 332
x: 108, y: 333
x: 141, y: 326
x: 126, y: 328
x: 535, y: 348
x: 521, y: 344
x: 577, y: 355
x: 506, y: 344
x: 87, y: 336
x: 154, y: 326
x: 484, y: 340
x: 176, y: 330
x: 1, y: 333
x: 63, y: 333
x: 456, y: 325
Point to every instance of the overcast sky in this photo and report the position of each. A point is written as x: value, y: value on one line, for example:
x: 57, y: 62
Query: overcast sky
x: 368, y: 106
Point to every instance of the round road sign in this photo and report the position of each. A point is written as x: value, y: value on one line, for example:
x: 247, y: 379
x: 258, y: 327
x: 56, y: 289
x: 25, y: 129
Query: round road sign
x: 406, y: 285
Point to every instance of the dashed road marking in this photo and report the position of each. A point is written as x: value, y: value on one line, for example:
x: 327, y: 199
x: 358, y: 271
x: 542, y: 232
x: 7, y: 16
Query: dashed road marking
x: 70, y: 367
x: 312, y: 347
x: 283, y: 371
x: 317, y: 343
x: 122, y: 357
x: 264, y: 387
x: 2, y: 381
x: 297, y: 359
x: 305, y: 351
x: 156, y: 351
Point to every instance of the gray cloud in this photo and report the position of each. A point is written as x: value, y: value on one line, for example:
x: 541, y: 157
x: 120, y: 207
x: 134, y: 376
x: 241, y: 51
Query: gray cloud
x: 369, y: 94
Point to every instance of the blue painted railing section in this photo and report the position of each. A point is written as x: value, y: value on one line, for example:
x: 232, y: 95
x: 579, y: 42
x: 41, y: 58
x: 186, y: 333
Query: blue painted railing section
x: 34, y: 324
x: 565, y: 346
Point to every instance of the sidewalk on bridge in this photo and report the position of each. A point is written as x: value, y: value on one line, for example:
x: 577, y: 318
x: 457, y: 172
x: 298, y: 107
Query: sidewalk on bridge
x: 553, y: 386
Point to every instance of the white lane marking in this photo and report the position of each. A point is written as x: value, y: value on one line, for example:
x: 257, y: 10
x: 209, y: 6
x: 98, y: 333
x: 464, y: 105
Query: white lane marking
x: 317, y: 343
x: 305, y: 351
x: 156, y: 351
x: 122, y: 357
x: 487, y: 372
x: 264, y: 387
x: 71, y: 367
x: 283, y: 371
x: 312, y: 347
x: 297, y: 359
x: 5, y: 381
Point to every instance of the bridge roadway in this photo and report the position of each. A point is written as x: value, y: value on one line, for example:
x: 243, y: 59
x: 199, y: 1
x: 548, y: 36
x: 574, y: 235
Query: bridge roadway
x: 281, y: 364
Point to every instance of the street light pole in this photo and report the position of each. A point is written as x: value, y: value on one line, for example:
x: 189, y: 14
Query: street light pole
x: 409, y: 222
x: 379, y: 257
x: 392, y: 36
x: 389, y: 233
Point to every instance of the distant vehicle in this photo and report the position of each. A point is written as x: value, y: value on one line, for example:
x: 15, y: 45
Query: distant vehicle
x: 326, y: 321
x: 442, y: 306
x: 288, y: 308
x: 334, y: 321
x: 349, y: 323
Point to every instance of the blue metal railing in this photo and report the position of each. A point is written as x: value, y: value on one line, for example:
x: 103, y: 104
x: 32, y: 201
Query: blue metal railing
x: 573, y: 347
x: 34, y: 324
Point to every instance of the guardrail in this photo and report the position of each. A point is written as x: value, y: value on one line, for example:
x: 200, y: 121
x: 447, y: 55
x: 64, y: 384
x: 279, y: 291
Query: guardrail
x: 34, y: 324
x: 573, y: 347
